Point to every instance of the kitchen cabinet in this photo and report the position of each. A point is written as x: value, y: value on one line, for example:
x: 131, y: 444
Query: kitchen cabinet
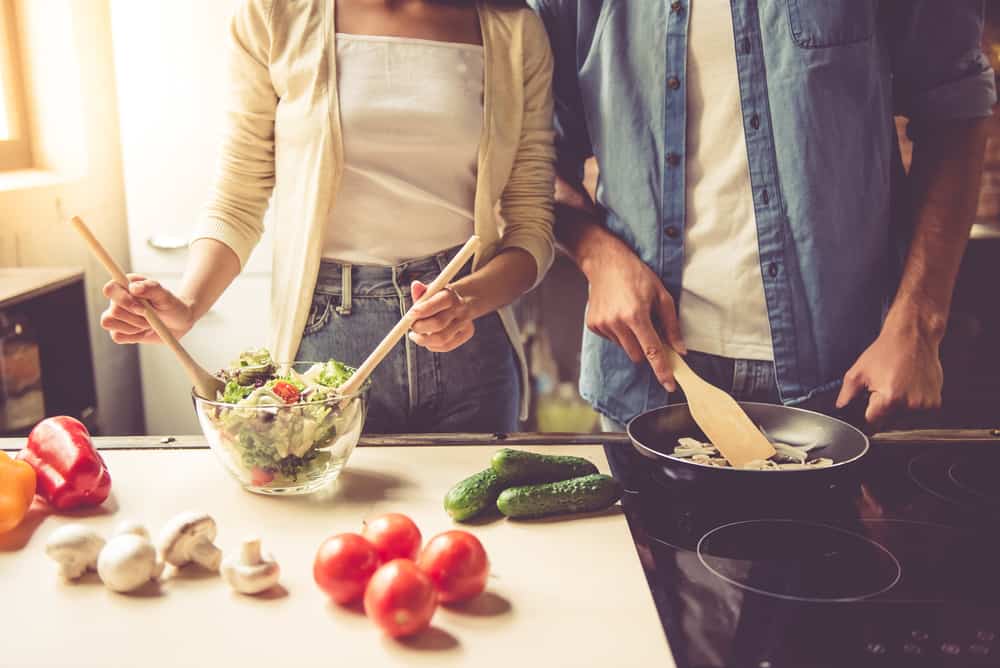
x: 171, y: 84
x: 46, y: 363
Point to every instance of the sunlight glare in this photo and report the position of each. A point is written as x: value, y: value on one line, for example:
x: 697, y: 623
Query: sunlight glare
x: 4, y: 110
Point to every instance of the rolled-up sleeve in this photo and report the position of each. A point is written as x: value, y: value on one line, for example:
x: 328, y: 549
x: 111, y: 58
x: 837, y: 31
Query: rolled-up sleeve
x: 527, y: 200
x: 572, y: 142
x: 939, y: 70
x: 245, y: 171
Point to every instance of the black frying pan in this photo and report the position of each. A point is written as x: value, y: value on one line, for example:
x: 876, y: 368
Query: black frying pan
x: 654, y: 435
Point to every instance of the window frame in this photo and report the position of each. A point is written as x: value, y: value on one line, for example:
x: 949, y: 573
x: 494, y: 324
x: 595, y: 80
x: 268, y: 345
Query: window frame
x: 15, y: 152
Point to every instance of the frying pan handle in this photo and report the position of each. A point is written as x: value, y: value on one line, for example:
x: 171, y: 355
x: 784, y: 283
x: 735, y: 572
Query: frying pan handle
x: 615, y: 438
x: 854, y: 413
x: 917, y: 436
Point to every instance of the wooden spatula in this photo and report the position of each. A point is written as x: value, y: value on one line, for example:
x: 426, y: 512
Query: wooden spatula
x: 725, y: 424
x: 205, y: 384
x: 355, y: 382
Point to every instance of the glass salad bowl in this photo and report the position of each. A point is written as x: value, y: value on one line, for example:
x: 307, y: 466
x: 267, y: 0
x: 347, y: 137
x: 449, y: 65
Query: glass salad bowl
x: 273, y: 442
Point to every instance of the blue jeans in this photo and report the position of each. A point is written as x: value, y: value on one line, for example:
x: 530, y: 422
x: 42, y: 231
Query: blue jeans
x: 474, y: 388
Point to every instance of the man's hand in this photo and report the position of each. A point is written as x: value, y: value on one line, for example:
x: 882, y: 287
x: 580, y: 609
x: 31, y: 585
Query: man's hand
x: 627, y: 303
x: 901, y: 370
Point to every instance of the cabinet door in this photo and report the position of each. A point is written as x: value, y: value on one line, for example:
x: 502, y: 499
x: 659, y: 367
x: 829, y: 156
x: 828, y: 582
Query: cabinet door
x: 237, y: 322
x: 170, y: 64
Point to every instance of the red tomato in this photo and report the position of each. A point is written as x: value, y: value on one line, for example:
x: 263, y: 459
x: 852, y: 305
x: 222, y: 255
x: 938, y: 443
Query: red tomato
x: 288, y: 392
x: 457, y: 564
x: 395, y: 536
x: 400, y: 598
x: 344, y: 564
x: 260, y: 477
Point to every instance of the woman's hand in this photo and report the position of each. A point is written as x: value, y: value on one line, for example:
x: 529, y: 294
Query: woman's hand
x: 124, y: 317
x: 444, y: 322
x: 447, y: 320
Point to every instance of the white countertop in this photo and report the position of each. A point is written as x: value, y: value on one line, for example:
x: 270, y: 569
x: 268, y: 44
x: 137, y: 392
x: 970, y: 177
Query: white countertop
x: 561, y: 593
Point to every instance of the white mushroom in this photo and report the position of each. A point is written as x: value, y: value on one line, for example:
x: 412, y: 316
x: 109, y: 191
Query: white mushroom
x: 128, y: 562
x: 188, y: 537
x: 250, y: 572
x: 75, y: 547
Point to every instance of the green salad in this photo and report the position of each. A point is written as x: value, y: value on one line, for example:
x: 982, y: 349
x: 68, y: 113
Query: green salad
x: 278, y: 415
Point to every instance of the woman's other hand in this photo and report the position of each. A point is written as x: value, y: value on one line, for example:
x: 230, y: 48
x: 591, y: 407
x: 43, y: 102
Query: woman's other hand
x: 124, y: 317
x: 443, y: 322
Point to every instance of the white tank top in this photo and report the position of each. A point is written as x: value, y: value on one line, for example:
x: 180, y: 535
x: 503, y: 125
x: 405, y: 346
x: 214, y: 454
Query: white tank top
x: 722, y: 307
x: 412, y: 115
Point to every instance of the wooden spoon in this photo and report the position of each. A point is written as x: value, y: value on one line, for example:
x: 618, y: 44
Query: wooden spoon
x: 724, y: 422
x: 205, y: 384
x: 355, y: 382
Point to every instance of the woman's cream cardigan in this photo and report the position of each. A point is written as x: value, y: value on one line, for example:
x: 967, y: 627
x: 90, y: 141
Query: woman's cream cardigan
x: 283, y: 142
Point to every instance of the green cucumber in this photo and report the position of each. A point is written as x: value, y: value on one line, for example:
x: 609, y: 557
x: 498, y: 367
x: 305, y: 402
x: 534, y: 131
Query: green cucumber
x: 518, y: 467
x: 577, y: 495
x: 473, y: 495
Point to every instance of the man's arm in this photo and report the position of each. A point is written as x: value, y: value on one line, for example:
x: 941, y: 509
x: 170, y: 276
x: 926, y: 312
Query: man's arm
x: 627, y: 300
x: 943, y: 84
x: 902, y: 369
x: 944, y: 190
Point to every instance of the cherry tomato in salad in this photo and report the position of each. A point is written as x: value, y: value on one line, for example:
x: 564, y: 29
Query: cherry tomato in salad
x: 288, y: 392
x: 400, y: 598
x: 457, y: 564
x: 343, y: 566
x: 394, y: 535
x: 260, y: 477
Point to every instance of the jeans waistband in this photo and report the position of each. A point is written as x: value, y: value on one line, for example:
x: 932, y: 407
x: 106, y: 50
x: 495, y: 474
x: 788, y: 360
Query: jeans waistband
x: 380, y: 280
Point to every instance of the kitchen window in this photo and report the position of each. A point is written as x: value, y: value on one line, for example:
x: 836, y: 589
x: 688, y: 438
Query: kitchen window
x: 15, y: 149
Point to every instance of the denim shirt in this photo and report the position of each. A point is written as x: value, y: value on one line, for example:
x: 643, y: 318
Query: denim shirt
x: 820, y: 81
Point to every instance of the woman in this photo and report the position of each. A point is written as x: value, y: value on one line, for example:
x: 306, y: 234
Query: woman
x: 387, y: 132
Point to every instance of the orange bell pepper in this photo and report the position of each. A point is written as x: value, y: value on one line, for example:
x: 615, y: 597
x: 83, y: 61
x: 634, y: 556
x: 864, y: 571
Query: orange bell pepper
x: 17, y: 489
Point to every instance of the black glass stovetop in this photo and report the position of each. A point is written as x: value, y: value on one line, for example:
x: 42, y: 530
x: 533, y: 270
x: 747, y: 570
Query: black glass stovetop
x: 896, y: 567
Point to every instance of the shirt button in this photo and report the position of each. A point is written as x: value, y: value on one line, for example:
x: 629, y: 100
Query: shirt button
x: 755, y: 122
x: 772, y: 269
x: 746, y: 45
x: 765, y: 196
x: 674, y: 83
x: 673, y: 159
x: 672, y: 232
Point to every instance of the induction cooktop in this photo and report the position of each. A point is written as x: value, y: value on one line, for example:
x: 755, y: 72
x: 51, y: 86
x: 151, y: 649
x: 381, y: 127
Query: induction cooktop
x: 897, y: 567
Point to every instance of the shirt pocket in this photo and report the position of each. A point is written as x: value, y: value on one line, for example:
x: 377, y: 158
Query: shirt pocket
x: 817, y: 24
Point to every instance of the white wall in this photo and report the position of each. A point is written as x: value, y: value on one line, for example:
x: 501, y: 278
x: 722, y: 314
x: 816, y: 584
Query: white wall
x: 66, y: 50
x: 170, y: 60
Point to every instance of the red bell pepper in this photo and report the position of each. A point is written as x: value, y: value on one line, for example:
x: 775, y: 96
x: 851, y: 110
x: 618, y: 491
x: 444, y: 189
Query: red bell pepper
x: 71, y: 473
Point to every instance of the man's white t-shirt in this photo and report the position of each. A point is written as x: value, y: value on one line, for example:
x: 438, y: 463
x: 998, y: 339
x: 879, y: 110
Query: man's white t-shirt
x: 722, y: 306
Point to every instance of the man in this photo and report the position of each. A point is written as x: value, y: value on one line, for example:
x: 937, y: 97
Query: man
x: 751, y: 205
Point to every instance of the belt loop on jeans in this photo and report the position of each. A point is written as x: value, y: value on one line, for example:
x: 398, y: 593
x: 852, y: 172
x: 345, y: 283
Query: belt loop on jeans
x: 346, y: 288
x: 442, y: 260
